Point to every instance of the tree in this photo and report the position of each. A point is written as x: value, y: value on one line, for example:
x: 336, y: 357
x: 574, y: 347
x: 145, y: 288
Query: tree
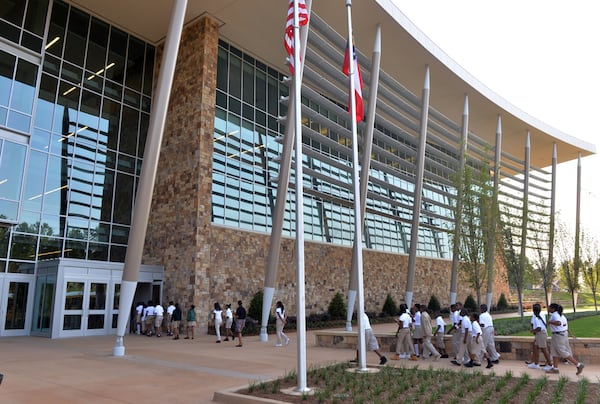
x: 540, y: 258
x: 569, y: 271
x: 513, y: 264
x: 478, y: 206
x: 590, y: 266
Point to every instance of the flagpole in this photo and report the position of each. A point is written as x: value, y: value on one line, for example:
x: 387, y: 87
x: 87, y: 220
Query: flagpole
x: 362, y: 361
x: 300, y: 289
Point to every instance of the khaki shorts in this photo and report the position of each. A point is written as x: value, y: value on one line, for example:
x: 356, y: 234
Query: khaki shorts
x: 371, y: 341
x: 158, y: 321
x: 541, y: 339
x: 191, y: 323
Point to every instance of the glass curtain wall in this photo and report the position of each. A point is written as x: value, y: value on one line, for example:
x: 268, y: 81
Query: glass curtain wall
x: 86, y: 116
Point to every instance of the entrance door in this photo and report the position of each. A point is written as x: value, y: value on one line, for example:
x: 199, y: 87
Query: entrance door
x: 85, y: 310
x: 16, y: 299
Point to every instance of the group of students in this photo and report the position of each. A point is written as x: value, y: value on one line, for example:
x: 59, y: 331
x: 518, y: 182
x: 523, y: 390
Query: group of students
x: 559, y: 343
x: 150, y: 318
x: 472, y: 336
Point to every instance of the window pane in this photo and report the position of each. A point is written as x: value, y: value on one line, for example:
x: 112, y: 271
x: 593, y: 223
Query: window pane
x: 74, y: 296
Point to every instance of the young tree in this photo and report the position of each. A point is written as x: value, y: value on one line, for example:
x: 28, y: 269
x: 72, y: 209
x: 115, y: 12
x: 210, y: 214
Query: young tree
x: 569, y: 272
x: 477, y: 209
x: 590, y: 266
x: 540, y: 257
x: 512, y: 263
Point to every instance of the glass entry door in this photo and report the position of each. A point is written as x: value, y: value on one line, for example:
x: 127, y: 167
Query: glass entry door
x: 85, y: 309
x: 17, y: 293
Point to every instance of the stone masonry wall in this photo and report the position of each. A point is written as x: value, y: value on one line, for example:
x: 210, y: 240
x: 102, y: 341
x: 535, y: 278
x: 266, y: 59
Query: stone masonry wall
x: 178, y: 235
x: 238, y: 264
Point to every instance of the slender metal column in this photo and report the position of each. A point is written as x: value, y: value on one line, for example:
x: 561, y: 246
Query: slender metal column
x: 143, y: 199
x: 282, y: 189
x: 491, y: 252
x: 525, y: 218
x: 462, y: 159
x: 577, y: 255
x: 418, y: 195
x: 365, y: 164
x: 550, y: 264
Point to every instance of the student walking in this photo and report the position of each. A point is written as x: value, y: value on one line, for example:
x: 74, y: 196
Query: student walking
x: 559, y: 345
x: 538, y: 329
x: 240, y: 322
x: 404, y: 346
x: 371, y: 341
x: 487, y: 332
x: 438, y: 335
x: 175, y: 321
x: 190, y: 319
x: 465, y: 335
x: 218, y: 320
x: 428, y: 348
x: 281, y: 319
x: 228, y: 322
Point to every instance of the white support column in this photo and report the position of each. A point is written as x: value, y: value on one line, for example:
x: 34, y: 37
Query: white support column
x: 143, y: 199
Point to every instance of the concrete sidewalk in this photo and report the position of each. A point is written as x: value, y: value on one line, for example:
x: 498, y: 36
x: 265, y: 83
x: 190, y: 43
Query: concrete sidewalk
x: 154, y: 370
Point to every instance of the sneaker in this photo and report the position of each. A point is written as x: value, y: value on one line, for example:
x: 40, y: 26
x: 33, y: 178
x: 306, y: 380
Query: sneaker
x: 497, y: 361
x: 468, y: 364
x: 552, y: 370
x: 396, y: 357
x: 455, y: 363
x: 287, y: 341
x: 218, y: 341
x: 383, y: 360
x: 533, y: 366
x: 476, y: 364
x: 547, y: 367
x: 579, y: 369
x: 526, y: 362
x: 489, y: 366
x: 158, y: 335
x: 403, y: 356
x: 413, y: 358
x: 278, y: 345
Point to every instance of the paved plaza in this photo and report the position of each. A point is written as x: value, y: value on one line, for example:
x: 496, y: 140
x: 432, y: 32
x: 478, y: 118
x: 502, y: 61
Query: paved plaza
x: 158, y: 370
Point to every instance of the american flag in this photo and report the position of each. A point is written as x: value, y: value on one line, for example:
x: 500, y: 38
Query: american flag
x: 358, y: 83
x: 288, y: 39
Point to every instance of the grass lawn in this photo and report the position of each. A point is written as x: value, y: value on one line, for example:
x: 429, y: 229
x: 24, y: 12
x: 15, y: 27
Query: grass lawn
x: 585, y: 327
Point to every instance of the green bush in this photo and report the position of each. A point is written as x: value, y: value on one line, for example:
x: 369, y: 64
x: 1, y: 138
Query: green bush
x: 434, y: 304
x: 470, y: 303
x: 389, y: 306
x: 337, y: 307
x: 502, y: 302
x: 255, y: 308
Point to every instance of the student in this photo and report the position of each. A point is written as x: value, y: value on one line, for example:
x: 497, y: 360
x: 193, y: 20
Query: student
x: 476, y: 349
x: 218, y: 320
x: 538, y: 329
x: 170, y: 310
x: 149, y: 316
x: 455, y: 329
x: 417, y: 334
x: 428, y: 348
x: 404, y: 347
x: 159, y: 313
x: 228, y: 322
x: 138, y: 318
x: 465, y: 335
x: 281, y: 319
x: 559, y: 345
x: 371, y: 340
x: 438, y: 335
x: 240, y: 322
x: 190, y: 320
x: 176, y: 320
x: 487, y: 332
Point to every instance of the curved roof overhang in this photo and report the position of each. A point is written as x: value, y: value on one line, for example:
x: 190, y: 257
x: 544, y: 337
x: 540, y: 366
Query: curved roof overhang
x: 257, y: 26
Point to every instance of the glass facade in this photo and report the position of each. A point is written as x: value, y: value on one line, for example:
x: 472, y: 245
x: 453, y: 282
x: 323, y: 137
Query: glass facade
x: 73, y: 125
x: 245, y: 166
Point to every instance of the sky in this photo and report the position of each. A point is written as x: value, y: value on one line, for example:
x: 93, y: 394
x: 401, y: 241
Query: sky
x: 541, y: 56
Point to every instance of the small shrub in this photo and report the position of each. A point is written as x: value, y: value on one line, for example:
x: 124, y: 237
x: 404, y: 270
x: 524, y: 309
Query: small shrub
x: 502, y: 302
x: 434, y: 304
x: 389, y: 306
x: 470, y: 303
x: 337, y: 307
x: 255, y: 308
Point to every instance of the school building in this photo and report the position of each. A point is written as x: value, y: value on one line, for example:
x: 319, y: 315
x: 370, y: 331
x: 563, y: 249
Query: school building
x: 77, y: 85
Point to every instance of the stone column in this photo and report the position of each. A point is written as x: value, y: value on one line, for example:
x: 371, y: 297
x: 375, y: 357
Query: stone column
x: 180, y: 220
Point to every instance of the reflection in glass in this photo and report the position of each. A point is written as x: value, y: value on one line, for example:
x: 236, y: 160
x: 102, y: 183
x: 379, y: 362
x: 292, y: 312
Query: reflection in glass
x: 72, y: 322
x: 97, y: 296
x: 44, y: 303
x: 16, y: 305
x: 74, y: 296
x: 95, y: 322
x: 116, y: 296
